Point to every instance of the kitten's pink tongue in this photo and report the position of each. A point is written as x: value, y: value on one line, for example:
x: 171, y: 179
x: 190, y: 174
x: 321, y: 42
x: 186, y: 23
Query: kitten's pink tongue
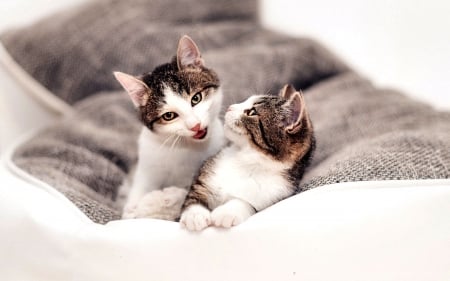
x: 200, y: 134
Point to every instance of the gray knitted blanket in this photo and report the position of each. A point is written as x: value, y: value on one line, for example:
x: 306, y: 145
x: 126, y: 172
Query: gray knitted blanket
x: 363, y: 132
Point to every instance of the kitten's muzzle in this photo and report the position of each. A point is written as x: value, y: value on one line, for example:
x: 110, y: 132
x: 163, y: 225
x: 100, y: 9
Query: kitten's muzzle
x: 199, y: 132
x: 196, y: 128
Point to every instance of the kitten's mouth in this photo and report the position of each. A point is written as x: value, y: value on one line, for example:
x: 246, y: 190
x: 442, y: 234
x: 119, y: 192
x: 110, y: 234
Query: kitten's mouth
x: 201, y: 134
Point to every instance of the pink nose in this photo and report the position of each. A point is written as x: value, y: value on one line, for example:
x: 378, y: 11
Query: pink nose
x: 229, y: 108
x: 196, y: 128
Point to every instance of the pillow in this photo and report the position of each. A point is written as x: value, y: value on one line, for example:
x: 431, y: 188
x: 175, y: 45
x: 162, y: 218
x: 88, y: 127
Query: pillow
x: 73, y: 53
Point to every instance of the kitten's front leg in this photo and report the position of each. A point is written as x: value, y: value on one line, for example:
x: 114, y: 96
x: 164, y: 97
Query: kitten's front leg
x: 231, y: 213
x: 196, y: 217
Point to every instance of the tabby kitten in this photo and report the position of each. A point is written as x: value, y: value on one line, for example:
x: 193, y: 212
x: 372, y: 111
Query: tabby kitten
x: 178, y: 104
x: 272, y: 142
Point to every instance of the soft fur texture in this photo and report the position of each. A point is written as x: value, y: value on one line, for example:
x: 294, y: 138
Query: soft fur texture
x: 272, y: 141
x: 363, y: 132
x: 179, y: 105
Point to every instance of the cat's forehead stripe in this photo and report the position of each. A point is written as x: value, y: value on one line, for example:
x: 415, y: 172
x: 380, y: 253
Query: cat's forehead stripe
x: 168, y: 92
x: 251, y: 101
x: 257, y: 99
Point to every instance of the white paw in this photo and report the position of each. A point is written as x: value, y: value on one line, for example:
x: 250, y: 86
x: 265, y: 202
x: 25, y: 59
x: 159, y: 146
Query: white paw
x: 222, y: 217
x: 195, y: 218
x: 159, y: 204
x: 231, y: 214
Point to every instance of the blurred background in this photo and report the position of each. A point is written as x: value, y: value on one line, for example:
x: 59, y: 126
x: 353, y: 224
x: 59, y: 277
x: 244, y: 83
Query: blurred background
x: 399, y: 44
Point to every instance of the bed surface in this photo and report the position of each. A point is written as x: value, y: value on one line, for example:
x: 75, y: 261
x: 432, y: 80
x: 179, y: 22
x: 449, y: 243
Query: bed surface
x: 370, y: 231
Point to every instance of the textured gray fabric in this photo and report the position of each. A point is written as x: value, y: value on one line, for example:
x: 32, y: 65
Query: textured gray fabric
x: 87, y: 156
x: 363, y: 132
x: 366, y: 133
x: 74, y: 53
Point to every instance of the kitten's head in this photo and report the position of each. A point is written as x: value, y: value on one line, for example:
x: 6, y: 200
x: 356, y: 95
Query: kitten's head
x: 278, y: 126
x: 180, y: 98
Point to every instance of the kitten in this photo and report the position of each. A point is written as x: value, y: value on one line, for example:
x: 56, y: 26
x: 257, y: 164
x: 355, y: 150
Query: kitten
x: 272, y: 142
x: 178, y: 104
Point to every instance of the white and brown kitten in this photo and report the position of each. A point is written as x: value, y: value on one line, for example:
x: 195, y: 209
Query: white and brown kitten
x: 178, y: 103
x: 272, y: 142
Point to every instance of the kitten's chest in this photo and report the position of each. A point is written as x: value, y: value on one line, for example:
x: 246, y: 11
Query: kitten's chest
x: 173, y: 166
x: 167, y: 165
x: 250, y: 177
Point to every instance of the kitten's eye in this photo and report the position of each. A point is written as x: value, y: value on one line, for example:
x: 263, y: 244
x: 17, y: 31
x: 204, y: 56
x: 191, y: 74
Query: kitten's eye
x: 168, y: 116
x: 196, y: 99
x: 251, y: 112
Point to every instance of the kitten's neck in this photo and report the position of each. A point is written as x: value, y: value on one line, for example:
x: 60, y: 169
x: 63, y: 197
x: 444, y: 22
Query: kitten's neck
x: 248, y: 156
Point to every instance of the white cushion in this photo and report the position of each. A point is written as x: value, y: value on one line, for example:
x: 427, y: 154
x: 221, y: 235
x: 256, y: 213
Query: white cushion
x: 391, y: 230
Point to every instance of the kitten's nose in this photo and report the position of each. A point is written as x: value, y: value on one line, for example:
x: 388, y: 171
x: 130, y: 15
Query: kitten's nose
x: 196, y: 128
x: 229, y: 108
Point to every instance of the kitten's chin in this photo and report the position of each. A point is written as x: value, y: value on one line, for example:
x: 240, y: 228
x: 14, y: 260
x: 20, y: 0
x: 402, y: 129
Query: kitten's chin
x: 233, y: 134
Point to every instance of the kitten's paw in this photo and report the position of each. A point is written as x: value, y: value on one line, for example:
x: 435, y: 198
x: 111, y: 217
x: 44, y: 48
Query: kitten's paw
x: 222, y: 217
x: 162, y: 204
x: 231, y: 213
x: 195, y: 218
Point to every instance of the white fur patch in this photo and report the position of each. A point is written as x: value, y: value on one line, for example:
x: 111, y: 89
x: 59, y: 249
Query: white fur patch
x: 247, y: 174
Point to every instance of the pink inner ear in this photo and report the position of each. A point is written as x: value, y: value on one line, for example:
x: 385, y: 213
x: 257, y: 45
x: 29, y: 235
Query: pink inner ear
x: 188, y: 53
x: 296, y: 108
x: 287, y: 91
x: 136, y: 89
x: 188, y: 57
x: 296, y: 105
x: 138, y: 96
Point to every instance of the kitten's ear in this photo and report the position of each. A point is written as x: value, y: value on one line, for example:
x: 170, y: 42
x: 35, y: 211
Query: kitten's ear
x: 287, y: 91
x: 137, y: 89
x: 188, y: 54
x: 296, y: 105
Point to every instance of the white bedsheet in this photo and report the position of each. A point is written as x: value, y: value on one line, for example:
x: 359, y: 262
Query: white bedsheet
x: 394, y: 230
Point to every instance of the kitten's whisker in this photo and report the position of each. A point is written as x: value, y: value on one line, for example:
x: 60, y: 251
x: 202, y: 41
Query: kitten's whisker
x: 166, y: 140
x: 182, y: 141
x: 175, y: 142
x: 178, y: 141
